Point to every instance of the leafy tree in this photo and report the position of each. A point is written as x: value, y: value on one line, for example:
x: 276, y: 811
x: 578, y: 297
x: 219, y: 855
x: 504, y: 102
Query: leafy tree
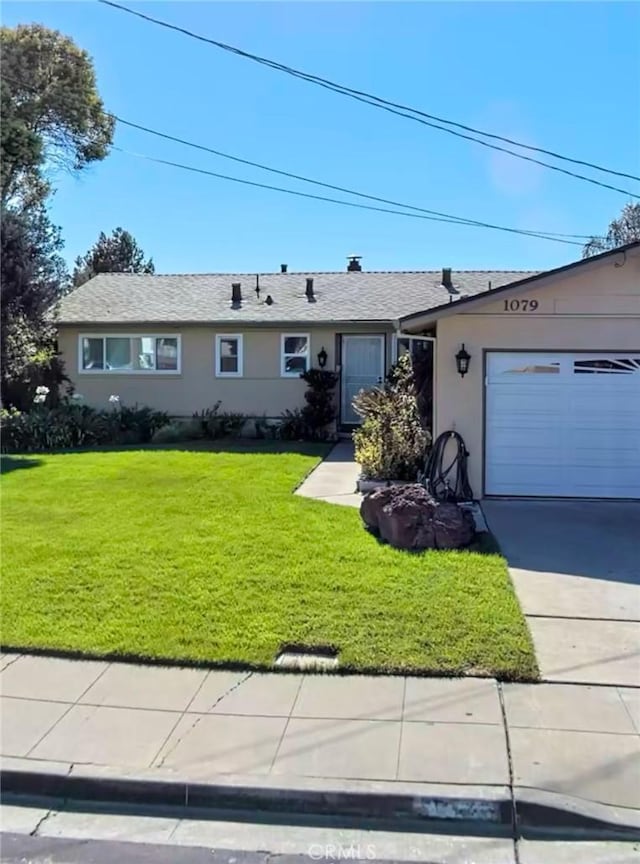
x: 32, y: 279
x: 51, y: 111
x: 624, y: 229
x: 118, y: 253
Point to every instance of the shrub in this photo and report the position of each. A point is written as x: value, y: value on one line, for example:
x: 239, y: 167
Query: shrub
x: 293, y: 425
x: 267, y: 428
x: 320, y: 410
x: 219, y: 424
x: 391, y: 443
x: 178, y: 430
x: 231, y: 423
x: 62, y: 427
x: 69, y: 424
x: 140, y: 423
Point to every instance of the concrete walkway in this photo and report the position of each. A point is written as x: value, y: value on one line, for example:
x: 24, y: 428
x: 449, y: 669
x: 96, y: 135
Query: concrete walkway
x: 576, y: 569
x: 401, y: 732
x: 335, y: 478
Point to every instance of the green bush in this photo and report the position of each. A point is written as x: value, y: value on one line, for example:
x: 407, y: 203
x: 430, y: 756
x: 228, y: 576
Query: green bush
x: 293, y: 426
x: 70, y: 424
x: 392, y: 442
x: 141, y: 422
x: 178, y: 430
x: 219, y: 424
x: 320, y: 410
x: 312, y: 423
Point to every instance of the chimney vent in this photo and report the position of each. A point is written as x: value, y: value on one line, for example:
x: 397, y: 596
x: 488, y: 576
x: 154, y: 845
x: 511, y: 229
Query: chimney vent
x: 309, y: 290
x: 283, y: 268
x: 354, y: 263
x: 269, y: 300
x: 236, y: 293
x: 446, y: 277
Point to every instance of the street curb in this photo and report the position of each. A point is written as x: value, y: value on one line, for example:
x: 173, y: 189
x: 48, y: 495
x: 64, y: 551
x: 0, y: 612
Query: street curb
x: 484, y: 806
x: 542, y: 812
x: 488, y: 808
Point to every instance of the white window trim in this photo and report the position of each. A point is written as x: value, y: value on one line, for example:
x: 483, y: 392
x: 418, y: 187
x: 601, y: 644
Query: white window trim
x: 397, y: 336
x: 283, y: 356
x: 138, y: 335
x: 218, y: 372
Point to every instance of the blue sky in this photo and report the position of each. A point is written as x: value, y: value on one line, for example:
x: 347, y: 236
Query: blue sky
x: 565, y: 76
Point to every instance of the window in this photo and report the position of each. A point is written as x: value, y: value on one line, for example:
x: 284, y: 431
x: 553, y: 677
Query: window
x: 295, y: 354
x: 607, y: 366
x: 129, y: 354
x: 228, y: 356
x: 416, y: 346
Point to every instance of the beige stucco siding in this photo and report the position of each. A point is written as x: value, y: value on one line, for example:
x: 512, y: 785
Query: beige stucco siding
x: 590, y: 309
x: 261, y: 389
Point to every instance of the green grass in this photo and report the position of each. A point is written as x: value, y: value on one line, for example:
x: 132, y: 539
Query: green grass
x: 205, y: 555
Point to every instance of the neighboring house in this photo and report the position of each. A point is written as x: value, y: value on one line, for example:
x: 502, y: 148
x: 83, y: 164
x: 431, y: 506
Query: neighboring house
x: 550, y: 405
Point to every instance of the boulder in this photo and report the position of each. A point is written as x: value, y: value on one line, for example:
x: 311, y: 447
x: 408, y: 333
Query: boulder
x: 407, y: 517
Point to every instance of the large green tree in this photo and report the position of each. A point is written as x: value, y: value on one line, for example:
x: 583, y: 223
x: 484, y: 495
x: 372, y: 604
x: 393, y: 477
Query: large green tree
x: 52, y: 115
x: 625, y: 229
x: 33, y: 277
x: 117, y: 253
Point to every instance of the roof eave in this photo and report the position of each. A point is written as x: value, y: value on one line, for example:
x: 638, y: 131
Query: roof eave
x: 233, y: 322
x: 451, y: 308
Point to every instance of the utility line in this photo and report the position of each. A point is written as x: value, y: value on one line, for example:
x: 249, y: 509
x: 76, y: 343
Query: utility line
x: 461, y: 219
x: 446, y: 217
x: 254, y: 183
x: 392, y: 107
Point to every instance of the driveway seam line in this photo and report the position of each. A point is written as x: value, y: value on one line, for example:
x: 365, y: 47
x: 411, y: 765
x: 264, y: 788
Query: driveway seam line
x: 71, y: 705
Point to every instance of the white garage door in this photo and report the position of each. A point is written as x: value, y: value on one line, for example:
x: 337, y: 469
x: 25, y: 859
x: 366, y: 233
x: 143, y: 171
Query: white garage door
x: 563, y: 425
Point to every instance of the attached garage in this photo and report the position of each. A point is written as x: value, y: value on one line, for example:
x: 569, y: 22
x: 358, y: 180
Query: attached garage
x: 562, y: 424
x: 550, y: 403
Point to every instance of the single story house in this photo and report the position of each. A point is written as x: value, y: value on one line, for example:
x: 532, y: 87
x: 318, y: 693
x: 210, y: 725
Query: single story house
x: 549, y: 404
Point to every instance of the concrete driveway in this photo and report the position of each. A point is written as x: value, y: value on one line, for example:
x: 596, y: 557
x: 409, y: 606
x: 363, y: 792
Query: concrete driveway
x: 576, y: 569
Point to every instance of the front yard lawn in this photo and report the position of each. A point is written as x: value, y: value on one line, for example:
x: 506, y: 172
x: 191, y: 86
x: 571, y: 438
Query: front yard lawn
x: 205, y: 555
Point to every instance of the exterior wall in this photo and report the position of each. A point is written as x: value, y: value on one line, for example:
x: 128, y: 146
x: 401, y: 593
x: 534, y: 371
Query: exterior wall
x: 261, y: 390
x: 588, y: 309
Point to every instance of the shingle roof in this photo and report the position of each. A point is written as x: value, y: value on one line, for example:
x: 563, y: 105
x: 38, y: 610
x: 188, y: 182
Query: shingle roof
x: 113, y: 298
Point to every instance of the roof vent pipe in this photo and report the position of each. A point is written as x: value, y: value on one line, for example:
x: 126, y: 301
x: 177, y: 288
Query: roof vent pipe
x: 236, y: 293
x: 446, y: 277
x: 309, y: 290
x: 354, y: 263
x: 283, y: 268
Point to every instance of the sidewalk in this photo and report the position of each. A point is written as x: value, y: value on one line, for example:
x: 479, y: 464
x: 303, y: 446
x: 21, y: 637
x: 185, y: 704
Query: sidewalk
x: 568, y: 745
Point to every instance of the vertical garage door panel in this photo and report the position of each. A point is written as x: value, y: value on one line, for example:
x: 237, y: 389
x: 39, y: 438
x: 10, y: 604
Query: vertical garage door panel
x: 563, y: 425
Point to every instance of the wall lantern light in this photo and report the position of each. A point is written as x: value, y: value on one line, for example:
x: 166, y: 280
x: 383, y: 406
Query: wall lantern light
x: 322, y: 358
x: 462, y: 361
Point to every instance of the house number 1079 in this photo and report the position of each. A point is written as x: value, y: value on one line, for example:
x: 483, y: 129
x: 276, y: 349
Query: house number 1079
x: 520, y: 305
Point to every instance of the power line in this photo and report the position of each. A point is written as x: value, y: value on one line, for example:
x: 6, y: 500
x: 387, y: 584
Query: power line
x: 298, y: 194
x: 445, y: 217
x: 392, y: 107
x: 461, y: 219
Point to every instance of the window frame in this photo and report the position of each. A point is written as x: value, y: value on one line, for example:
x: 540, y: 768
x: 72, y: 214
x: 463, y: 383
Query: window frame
x: 283, y: 355
x: 138, y: 335
x: 412, y: 338
x: 217, y: 356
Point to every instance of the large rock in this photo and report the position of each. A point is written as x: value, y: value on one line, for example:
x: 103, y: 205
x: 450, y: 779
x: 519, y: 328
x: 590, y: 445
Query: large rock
x: 407, y: 517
